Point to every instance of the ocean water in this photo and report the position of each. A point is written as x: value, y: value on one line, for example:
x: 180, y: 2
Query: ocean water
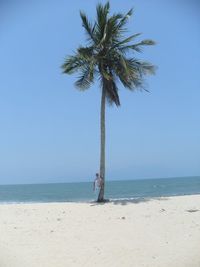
x: 115, y: 190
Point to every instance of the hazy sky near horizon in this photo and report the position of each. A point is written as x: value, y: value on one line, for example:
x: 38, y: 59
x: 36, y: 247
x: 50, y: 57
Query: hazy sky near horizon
x: 50, y: 131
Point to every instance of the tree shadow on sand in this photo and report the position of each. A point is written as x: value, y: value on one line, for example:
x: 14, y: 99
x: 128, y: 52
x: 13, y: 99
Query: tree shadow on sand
x: 128, y: 201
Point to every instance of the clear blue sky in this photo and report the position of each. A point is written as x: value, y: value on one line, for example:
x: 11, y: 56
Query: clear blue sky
x: 50, y: 131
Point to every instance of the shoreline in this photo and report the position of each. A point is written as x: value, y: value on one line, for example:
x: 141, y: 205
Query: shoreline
x: 111, y: 200
x: 158, y: 232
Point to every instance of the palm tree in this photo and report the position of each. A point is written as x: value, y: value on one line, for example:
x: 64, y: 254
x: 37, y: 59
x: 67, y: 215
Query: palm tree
x: 107, y: 57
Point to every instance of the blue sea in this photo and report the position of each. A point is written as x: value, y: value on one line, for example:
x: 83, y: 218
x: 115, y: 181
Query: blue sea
x: 115, y: 190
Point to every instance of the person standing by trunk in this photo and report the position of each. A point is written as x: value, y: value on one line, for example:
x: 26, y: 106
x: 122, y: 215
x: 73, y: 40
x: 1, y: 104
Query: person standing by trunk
x: 98, y: 182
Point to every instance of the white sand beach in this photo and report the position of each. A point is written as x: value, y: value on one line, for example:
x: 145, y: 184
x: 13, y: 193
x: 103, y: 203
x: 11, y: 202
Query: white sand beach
x: 152, y: 233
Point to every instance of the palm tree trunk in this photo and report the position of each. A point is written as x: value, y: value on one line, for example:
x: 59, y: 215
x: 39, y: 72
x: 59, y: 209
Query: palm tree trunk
x: 102, y: 145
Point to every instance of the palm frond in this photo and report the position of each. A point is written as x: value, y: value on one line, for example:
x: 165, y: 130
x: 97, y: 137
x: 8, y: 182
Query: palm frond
x: 124, y: 20
x: 128, y: 72
x: 136, y: 71
x: 146, y: 68
x: 138, y: 47
x: 147, y: 42
x: 86, y: 52
x: 112, y: 33
x: 102, y: 13
x: 89, y: 27
x: 126, y: 17
x: 126, y: 40
x: 86, y: 78
x: 105, y: 74
x: 111, y: 91
x: 72, y: 64
x: 102, y: 16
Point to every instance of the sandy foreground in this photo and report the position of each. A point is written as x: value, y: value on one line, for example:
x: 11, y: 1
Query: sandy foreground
x: 155, y: 233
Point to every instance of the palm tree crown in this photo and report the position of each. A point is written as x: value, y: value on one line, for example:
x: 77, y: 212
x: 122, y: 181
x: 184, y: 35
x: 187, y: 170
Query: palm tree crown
x: 107, y: 55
